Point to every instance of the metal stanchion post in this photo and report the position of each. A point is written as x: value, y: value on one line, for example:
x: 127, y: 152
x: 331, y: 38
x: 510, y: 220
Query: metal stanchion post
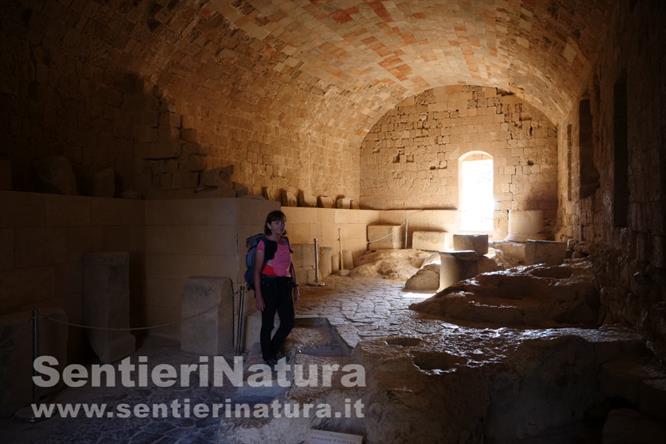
x: 241, y: 321
x: 26, y: 413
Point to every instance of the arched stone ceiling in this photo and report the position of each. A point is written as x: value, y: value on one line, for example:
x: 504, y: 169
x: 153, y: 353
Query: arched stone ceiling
x: 383, y: 51
x: 309, y: 75
x: 374, y: 52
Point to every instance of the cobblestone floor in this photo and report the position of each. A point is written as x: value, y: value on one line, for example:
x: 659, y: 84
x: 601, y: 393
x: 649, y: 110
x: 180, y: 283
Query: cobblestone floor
x: 366, y: 307
x: 357, y: 307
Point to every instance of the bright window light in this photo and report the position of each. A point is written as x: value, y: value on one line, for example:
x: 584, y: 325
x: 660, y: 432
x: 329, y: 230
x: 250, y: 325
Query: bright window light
x: 476, y: 194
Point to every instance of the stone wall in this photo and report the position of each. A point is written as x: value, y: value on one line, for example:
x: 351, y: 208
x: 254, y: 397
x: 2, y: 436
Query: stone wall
x: 410, y: 157
x: 624, y: 214
x: 172, y: 97
x: 43, y: 239
x: 195, y: 237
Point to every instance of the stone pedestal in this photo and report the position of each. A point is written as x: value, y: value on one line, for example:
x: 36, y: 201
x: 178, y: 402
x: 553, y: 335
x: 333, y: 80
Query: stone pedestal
x: 347, y: 259
x: 476, y: 242
x: 430, y: 240
x: 335, y: 262
x: 16, y: 353
x: 456, y: 266
x: 387, y: 237
x: 207, y: 313
x: 524, y: 225
x: 106, y: 300
x: 546, y: 252
x: 325, y: 264
x: 304, y: 263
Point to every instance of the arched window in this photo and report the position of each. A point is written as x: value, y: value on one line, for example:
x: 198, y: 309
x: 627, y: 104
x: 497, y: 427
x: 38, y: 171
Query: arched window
x: 476, y: 200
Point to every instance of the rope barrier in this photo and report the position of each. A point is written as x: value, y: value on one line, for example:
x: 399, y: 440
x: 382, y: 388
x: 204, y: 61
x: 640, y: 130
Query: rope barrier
x: 92, y: 327
x: 404, y: 222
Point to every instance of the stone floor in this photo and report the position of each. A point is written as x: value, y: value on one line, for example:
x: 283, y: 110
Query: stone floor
x: 343, y: 301
x: 362, y: 308
x: 424, y: 353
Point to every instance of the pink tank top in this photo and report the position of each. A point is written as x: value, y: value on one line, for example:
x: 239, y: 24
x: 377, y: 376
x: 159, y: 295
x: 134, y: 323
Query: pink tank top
x: 280, y: 264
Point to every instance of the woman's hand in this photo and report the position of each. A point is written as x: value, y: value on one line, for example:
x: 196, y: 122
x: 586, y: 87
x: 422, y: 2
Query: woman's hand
x: 297, y: 295
x: 259, y: 302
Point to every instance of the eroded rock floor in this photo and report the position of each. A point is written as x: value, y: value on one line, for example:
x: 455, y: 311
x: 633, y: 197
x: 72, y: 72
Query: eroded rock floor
x: 428, y: 381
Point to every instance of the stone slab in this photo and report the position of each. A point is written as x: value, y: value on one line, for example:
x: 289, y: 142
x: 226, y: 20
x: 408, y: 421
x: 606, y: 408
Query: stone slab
x: 207, y: 313
x: 430, y: 240
x: 106, y: 297
x: 325, y: 261
x: 303, y: 256
x: 476, y: 242
x: 384, y: 237
x: 542, y: 251
x: 456, y: 266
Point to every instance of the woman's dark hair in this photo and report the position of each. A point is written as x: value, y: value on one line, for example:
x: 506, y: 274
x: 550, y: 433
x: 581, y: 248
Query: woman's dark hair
x: 273, y: 216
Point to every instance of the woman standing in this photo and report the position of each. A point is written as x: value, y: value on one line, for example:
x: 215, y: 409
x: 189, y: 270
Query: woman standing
x: 274, y: 280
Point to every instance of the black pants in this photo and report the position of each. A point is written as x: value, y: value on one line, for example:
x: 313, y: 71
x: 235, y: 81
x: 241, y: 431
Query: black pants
x: 276, y: 292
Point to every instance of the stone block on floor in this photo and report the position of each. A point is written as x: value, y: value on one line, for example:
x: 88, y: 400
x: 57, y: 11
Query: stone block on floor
x: 106, y: 304
x: 476, y: 242
x: 384, y: 237
x: 325, y: 261
x: 547, y: 252
x: 430, y: 240
x: 207, y: 314
x: 456, y: 266
x: 303, y: 255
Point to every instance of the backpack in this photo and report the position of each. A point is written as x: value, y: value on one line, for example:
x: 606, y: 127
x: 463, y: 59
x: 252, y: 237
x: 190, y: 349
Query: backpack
x: 251, y: 244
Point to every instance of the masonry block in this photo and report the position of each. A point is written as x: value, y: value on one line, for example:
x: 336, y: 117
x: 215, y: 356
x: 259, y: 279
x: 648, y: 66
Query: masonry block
x: 384, y: 236
x: 548, y: 252
x: 207, y: 314
x: 429, y: 240
x: 476, y: 242
x: 106, y: 302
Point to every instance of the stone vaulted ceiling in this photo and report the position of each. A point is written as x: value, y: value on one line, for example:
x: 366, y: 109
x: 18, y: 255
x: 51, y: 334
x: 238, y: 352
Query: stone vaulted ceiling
x: 382, y: 51
x: 309, y: 75
x: 374, y: 52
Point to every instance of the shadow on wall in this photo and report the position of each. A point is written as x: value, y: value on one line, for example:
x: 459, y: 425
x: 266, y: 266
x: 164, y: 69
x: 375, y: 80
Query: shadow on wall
x: 119, y: 138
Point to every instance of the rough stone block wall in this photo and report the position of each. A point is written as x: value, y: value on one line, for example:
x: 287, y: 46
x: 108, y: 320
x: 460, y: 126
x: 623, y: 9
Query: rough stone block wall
x: 410, y: 157
x: 173, y: 97
x: 630, y: 257
x: 42, y: 241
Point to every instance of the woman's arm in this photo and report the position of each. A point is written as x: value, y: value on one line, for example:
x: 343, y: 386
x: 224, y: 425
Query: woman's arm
x: 258, y: 263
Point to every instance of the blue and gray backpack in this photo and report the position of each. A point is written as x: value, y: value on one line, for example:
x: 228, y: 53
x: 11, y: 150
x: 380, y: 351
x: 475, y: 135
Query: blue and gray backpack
x: 251, y: 244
